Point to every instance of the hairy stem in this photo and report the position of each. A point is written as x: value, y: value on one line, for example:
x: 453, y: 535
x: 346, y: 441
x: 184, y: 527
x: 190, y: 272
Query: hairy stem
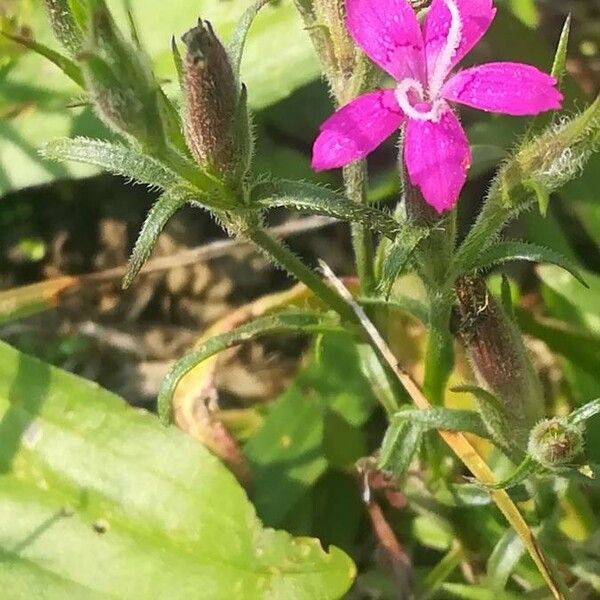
x: 284, y: 257
x: 355, y: 179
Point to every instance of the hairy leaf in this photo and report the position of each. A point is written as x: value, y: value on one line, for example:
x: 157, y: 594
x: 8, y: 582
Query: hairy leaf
x: 467, y: 421
x: 507, y: 251
x: 238, y: 39
x: 323, y: 201
x: 400, y: 444
x: 113, y: 157
x: 158, y: 216
x: 581, y: 414
x: 298, y: 321
x: 398, y: 256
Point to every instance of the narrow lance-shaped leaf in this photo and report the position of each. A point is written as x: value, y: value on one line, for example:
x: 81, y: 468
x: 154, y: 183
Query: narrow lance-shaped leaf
x: 585, y: 412
x: 559, y: 69
x: 65, y: 25
x: 504, y: 558
x: 178, y: 61
x: 320, y: 200
x: 164, y: 208
x: 293, y: 321
x: 448, y: 419
x: 398, y: 257
x: 65, y: 64
x: 238, y: 39
x: 399, y: 447
x: 494, y: 416
x: 507, y: 251
x: 114, y: 158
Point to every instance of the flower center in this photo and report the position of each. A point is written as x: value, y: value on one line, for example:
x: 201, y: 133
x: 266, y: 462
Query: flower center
x: 411, y: 99
x: 447, y: 52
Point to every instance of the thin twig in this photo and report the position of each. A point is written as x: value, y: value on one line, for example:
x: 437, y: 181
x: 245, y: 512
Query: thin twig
x: 461, y: 446
x: 212, y: 250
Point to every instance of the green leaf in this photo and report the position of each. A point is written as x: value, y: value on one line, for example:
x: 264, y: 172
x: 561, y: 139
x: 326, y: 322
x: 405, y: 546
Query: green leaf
x: 508, y: 250
x: 494, y: 416
x: 397, y: 258
x: 65, y: 64
x: 504, y: 558
x: 292, y: 450
x: 238, y: 39
x: 475, y: 592
x: 581, y: 414
x: 559, y: 69
x: 158, y: 216
x: 400, y: 444
x: 323, y: 201
x: 299, y: 322
x: 114, y: 158
x: 447, y: 419
x: 99, y: 501
x: 584, y: 302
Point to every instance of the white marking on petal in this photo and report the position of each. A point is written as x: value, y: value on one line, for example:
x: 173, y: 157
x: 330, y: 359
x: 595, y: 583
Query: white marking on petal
x: 444, y: 59
x: 412, y: 85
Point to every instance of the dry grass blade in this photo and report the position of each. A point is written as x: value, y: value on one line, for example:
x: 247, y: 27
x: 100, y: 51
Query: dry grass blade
x: 457, y: 442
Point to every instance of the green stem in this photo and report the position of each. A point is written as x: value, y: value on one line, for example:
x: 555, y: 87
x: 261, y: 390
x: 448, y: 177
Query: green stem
x: 355, y: 179
x: 291, y: 263
x: 439, y: 354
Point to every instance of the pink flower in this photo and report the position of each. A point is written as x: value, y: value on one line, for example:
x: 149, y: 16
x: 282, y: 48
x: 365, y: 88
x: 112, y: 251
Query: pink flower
x: 436, y: 150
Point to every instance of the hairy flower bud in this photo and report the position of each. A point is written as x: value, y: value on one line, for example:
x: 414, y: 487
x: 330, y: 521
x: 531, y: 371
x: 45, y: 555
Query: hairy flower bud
x: 499, y: 357
x: 555, y: 442
x: 64, y: 24
x: 211, y: 98
x: 553, y: 158
x: 120, y: 80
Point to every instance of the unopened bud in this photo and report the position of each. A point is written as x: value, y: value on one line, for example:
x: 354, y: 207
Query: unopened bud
x: 64, y: 24
x: 211, y: 97
x: 555, y: 442
x: 120, y: 80
x: 498, y: 356
x: 553, y: 158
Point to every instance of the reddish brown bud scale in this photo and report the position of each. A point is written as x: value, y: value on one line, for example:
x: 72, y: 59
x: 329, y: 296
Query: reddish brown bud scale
x: 498, y: 356
x: 211, y: 95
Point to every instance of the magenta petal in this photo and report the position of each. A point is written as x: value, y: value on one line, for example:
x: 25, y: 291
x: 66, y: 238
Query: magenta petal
x: 356, y: 129
x: 476, y: 17
x: 510, y: 88
x: 437, y: 156
x: 388, y: 31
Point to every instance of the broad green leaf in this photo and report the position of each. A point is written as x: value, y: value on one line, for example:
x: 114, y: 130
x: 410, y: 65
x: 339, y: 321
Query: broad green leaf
x: 321, y: 200
x: 299, y: 322
x: 508, y: 250
x: 99, y: 502
x: 506, y: 554
x: 289, y: 453
x: 158, y: 216
x: 113, y: 157
x: 278, y: 59
x: 585, y: 302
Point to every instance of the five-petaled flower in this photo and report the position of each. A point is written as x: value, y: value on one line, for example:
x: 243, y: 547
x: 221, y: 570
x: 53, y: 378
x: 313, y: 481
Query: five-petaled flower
x: 436, y: 150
